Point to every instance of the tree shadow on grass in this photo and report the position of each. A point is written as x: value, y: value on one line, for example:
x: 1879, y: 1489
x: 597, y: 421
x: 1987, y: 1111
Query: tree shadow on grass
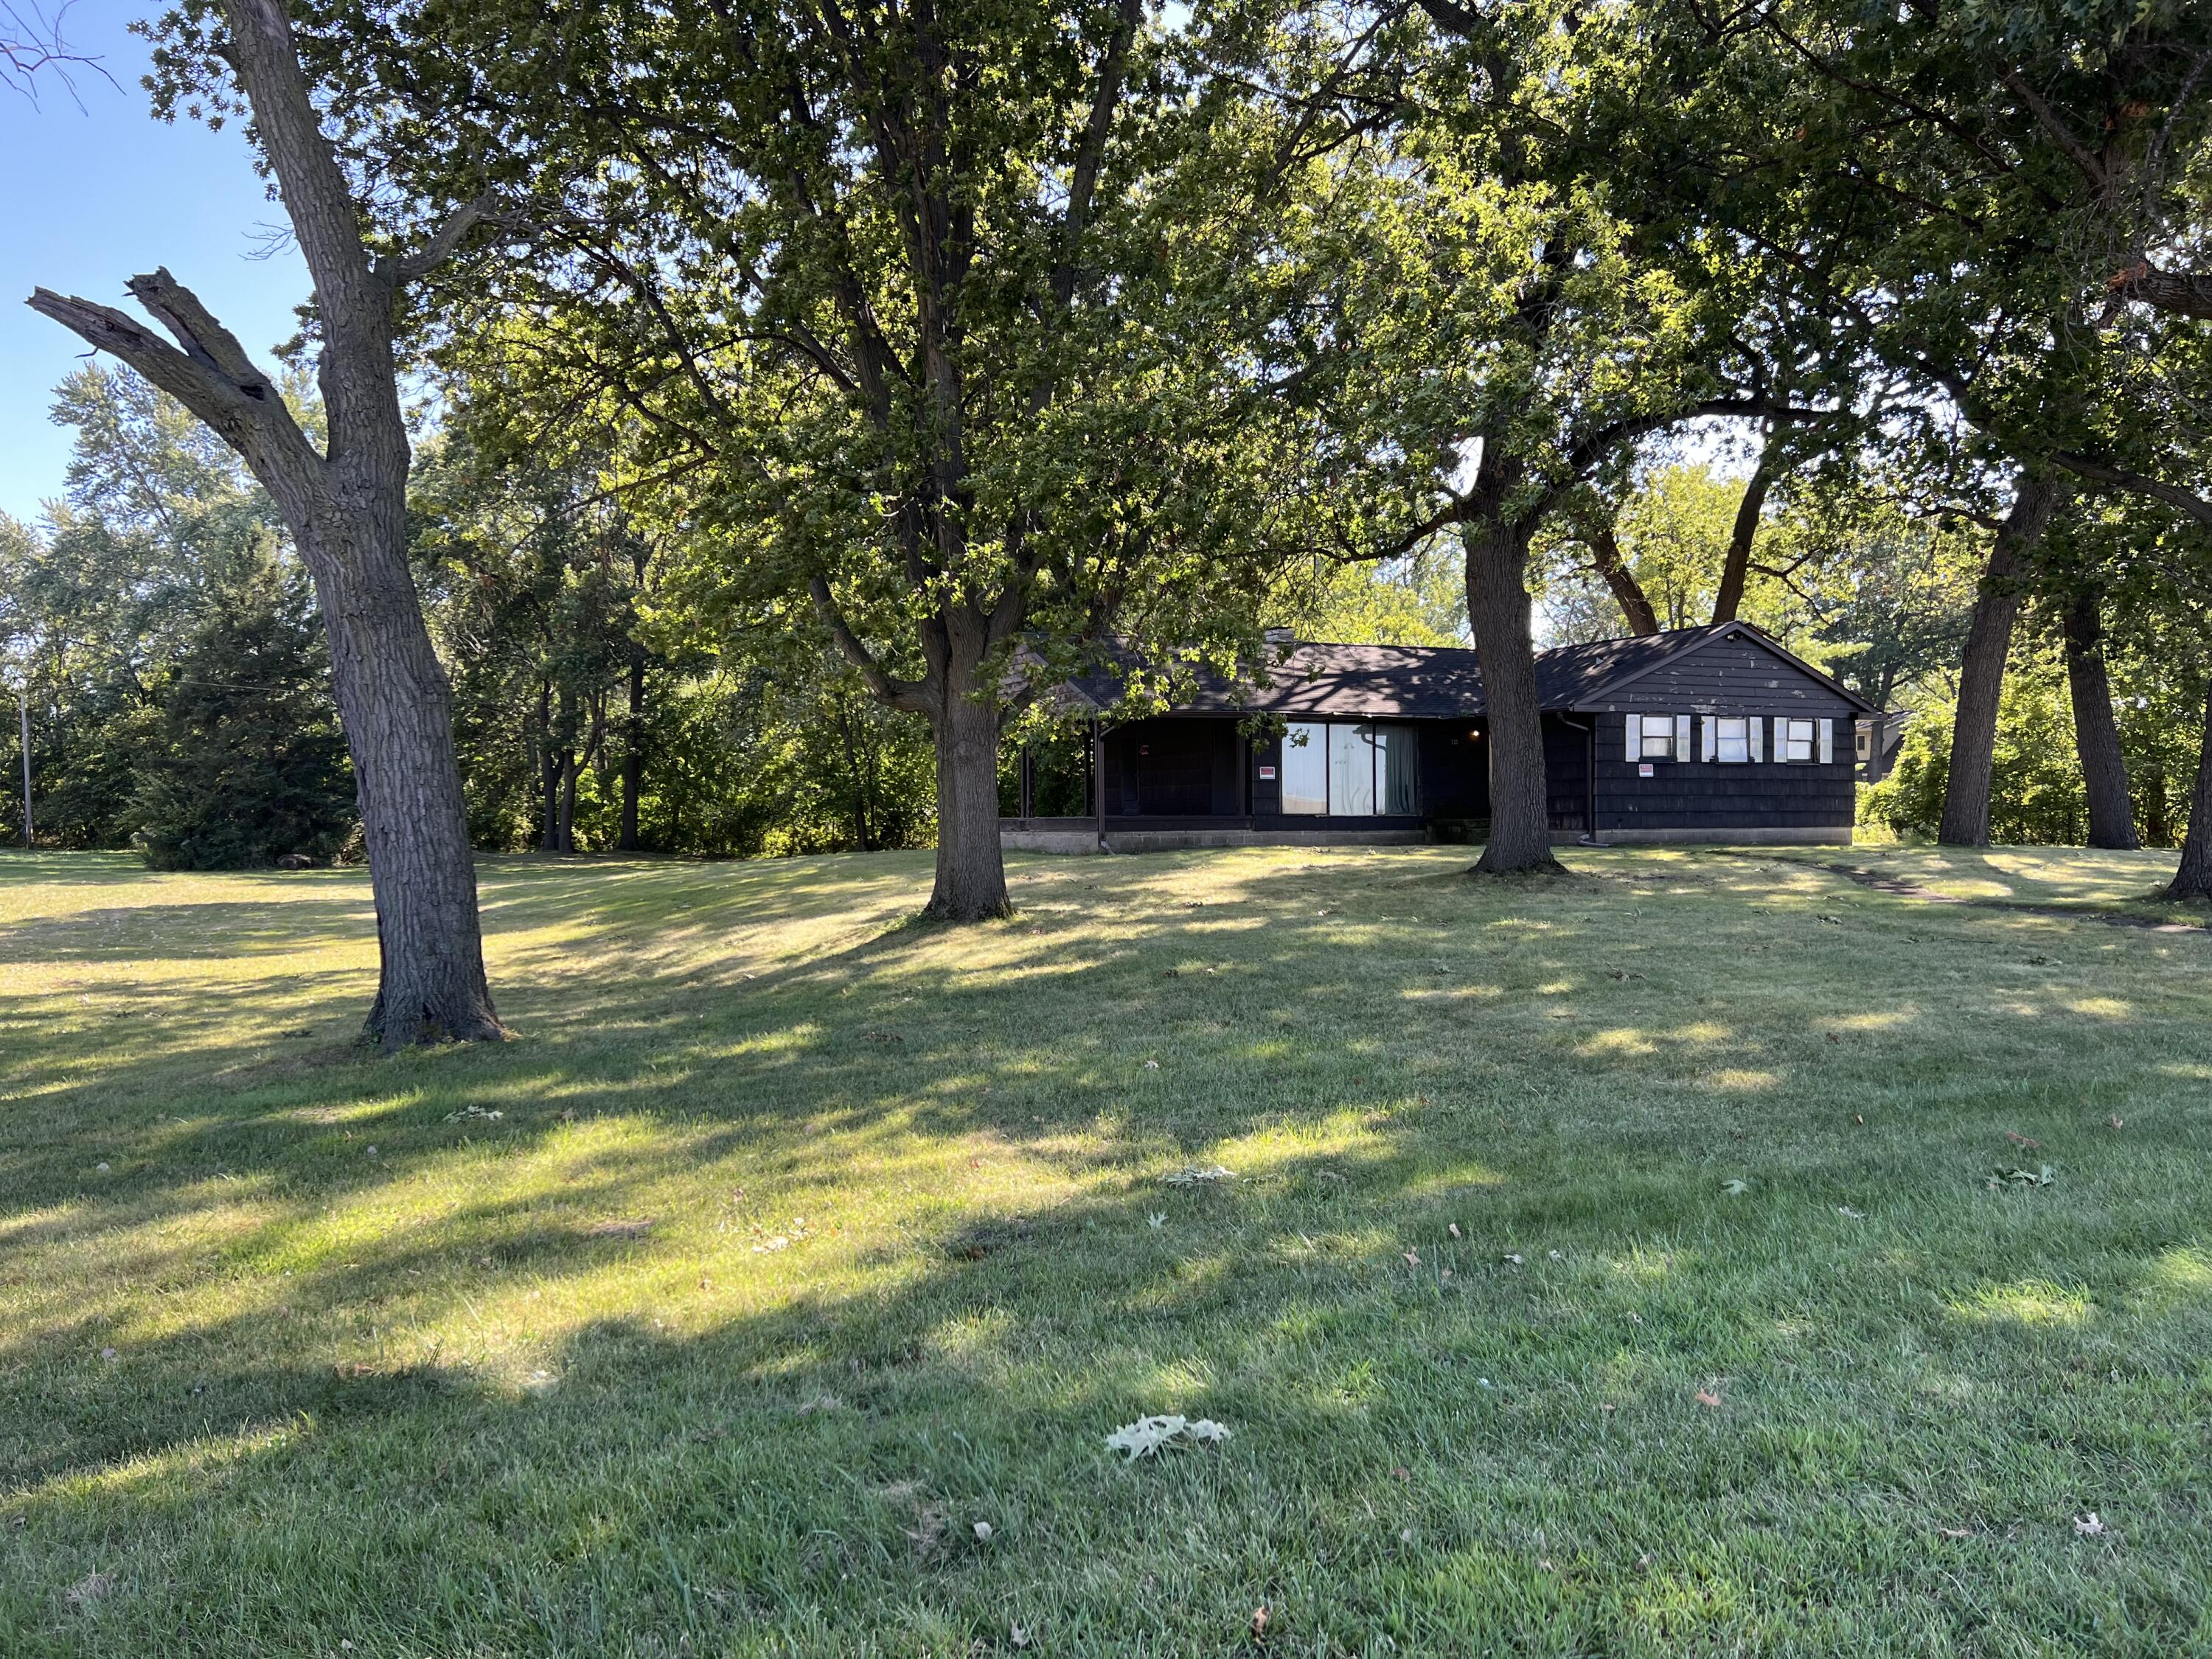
x: 1499, y: 1457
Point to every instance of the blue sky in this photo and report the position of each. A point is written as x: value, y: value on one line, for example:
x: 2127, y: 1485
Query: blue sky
x: 90, y: 196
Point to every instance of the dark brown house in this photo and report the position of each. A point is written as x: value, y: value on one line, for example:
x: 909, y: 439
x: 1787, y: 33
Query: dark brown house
x: 1711, y: 734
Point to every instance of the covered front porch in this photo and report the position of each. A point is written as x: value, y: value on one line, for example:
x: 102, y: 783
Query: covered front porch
x: 1186, y: 781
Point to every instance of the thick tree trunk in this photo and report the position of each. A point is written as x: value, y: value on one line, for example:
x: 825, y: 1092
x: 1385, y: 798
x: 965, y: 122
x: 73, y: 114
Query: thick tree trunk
x: 397, y: 710
x: 971, y: 872
x: 1735, y: 567
x: 2096, y: 734
x: 633, y: 766
x: 1497, y: 609
x: 345, y: 505
x: 1628, y: 593
x: 1965, y: 821
x: 2193, y: 880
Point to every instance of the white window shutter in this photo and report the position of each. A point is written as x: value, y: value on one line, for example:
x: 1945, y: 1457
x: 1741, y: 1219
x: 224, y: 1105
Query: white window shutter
x: 1828, y: 742
x: 1709, y: 745
x: 1635, y: 725
x: 1681, y: 737
x: 1757, y: 727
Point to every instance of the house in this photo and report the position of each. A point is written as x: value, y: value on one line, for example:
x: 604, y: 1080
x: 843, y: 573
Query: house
x: 1712, y: 734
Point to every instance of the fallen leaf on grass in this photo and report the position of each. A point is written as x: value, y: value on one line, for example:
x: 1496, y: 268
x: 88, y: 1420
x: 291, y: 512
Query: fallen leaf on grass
x: 1413, y: 1258
x: 1016, y: 1635
x: 1849, y: 1213
x: 1148, y: 1435
x: 1191, y: 1175
x: 636, y: 1227
x: 1152, y: 1066
x: 2114, y: 1122
x: 1707, y: 1397
x: 2091, y: 1525
x: 983, y: 1531
x: 1956, y: 1532
x: 1453, y: 1229
x: 2018, y: 1140
x: 488, y: 1115
x: 1735, y: 1189
x: 1512, y: 1260
x: 88, y: 1589
x: 1260, y: 1624
x: 2025, y: 1179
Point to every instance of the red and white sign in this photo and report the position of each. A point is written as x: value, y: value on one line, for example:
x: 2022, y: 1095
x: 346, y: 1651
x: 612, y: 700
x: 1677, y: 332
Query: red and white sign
x: 1267, y: 772
x: 1643, y: 769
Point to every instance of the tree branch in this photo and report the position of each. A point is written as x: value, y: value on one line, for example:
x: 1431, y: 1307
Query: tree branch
x: 899, y: 693
x: 208, y: 371
x: 444, y: 240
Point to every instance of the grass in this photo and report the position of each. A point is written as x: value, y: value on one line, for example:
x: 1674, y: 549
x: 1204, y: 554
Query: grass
x: 804, y: 1238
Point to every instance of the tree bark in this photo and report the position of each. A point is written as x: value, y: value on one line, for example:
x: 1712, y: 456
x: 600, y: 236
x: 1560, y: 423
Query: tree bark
x: 1628, y: 593
x: 1965, y: 821
x: 346, y: 509
x: 2192, y: 881
x: 633, y: 766
x: 1736, y: 566
x: 1497, y: 610
x: 2096, y: 734
x: 971, y: 869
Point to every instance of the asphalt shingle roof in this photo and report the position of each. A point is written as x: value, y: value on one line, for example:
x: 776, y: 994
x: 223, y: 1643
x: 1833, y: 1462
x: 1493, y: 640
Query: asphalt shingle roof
x: 1417, y: 682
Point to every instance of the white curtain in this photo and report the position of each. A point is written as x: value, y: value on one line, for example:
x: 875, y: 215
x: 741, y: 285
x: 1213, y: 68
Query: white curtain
x: 1352, y: 771
x: 1306, y: 767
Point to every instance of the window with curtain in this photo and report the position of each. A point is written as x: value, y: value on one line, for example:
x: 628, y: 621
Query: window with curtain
x: 1797, y: 739
x: 1732, y: 738
x: 1658, y: 737
x: 1352, y: 771
x: 1398, y: 770
x: 1305, y: 767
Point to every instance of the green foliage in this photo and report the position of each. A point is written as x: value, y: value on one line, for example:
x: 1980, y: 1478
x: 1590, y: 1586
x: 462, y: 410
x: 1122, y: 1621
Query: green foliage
x: 2036, y: 795
x: 167, y: 636
x: 248, y: 764
x: 1417, y: 600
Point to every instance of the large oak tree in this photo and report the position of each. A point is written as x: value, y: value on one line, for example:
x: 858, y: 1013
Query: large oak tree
x: 949, y: 320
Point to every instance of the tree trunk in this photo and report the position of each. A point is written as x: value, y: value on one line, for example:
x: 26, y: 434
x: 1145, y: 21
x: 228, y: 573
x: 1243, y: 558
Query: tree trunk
x: 345, y: 505
x: 571, y: 766
x: 2096, y: 734
x: 1736, y: 566
x: 633, y: 767
x: 971, y: 872
x: 2193, y: 880
x: 1965, y: 820
x: 1497, y: 609
x: 395, y: 706
x: 1628, y: 593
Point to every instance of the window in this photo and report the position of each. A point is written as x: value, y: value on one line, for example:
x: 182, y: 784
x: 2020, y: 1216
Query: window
x: 1732, y: 738
x: 1350, y: 771
x: 1305, y: 767
x: 1796, y: 743
x: 1658, y: 738
x: 1398, y: 773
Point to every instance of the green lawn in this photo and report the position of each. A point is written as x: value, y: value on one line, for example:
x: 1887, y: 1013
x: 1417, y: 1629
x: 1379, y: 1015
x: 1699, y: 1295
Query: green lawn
x: 792, y: 1240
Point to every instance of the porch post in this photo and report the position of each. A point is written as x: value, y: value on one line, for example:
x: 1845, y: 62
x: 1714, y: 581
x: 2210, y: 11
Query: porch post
x: 1098, y: 778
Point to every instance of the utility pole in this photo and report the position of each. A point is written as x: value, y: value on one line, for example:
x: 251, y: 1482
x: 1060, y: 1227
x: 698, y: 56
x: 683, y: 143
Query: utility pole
x: 23, y: 710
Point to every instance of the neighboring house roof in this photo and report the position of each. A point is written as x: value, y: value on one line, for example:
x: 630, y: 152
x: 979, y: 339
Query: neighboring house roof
x: 1417, y: 682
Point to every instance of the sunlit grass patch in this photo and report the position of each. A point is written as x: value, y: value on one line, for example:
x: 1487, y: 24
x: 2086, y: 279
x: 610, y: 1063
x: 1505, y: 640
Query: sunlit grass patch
x: 1604, y: 1266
